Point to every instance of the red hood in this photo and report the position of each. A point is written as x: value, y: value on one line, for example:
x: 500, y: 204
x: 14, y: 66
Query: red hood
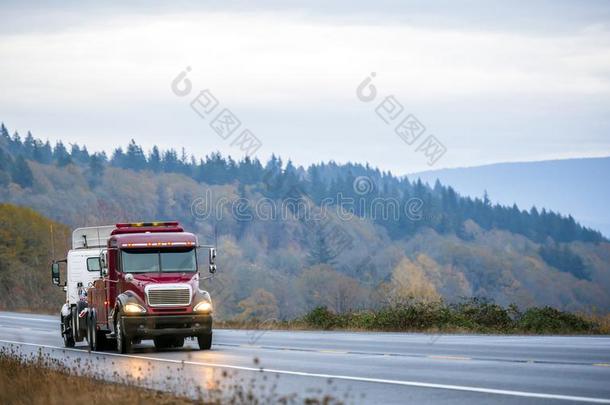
x: 147, y: 278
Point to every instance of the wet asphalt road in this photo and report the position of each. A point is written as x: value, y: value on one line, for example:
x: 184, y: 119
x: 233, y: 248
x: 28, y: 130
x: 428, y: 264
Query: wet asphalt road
x: 390, y: 368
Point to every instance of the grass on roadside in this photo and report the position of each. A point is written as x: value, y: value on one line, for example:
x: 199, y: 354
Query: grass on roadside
x: 472, y: 315
x: 42, y: 379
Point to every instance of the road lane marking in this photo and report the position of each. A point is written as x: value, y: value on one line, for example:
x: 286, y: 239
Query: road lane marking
x: 449, y: 357
x: 417, y: 384
x: 332, y: 351
x: 20, y: 318
x: 413, y: 355
x: 445, y: 357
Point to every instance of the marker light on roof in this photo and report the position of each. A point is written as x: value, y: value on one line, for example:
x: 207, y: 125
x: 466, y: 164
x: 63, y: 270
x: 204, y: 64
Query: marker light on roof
x: 141, y: 224
x: 159, y: 244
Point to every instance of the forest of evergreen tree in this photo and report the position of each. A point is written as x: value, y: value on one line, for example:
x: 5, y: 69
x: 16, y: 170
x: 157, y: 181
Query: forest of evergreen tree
x: 444, y: 210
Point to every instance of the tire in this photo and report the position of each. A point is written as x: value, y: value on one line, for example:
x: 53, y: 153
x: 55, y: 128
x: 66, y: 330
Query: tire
x: 178, y: 342
x: 74, y: 325
x: 205, y: 341
x: 92, y: 331
x: 80, y: 331
x: 162, y: 342
x: 123, y: 342
x: 67, y: 332
x: 102, y: 341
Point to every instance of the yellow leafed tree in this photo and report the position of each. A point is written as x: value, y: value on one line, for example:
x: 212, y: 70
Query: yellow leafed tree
x: 409, y: 282
x: 261, y: 305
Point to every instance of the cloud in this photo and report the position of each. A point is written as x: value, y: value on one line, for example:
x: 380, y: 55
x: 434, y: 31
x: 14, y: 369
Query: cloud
x: 274, y: 57
x: 281, y: 65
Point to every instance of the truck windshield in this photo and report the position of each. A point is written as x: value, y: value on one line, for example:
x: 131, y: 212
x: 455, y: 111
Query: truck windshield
x: 154, y: 261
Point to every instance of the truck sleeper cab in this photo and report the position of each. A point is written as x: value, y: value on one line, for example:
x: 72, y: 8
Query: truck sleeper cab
x: 148, y: 288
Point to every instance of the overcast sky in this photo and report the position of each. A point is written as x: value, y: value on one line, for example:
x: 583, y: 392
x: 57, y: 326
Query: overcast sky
x: 492, y: 82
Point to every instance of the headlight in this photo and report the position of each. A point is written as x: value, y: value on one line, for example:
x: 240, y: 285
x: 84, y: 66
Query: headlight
x: 203, y: 306
x: 134, y: 309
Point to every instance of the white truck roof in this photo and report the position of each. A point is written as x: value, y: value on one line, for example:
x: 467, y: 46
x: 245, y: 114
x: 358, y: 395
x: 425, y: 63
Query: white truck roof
x: 91, y: 237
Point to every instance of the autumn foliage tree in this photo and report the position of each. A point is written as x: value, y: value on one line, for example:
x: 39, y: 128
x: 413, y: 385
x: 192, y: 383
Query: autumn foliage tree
x: 26, y: 249
x: 409, y: 282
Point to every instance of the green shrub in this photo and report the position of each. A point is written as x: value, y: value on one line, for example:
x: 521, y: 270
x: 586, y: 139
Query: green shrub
x: 551, y: 320
x: 482, y: 314
x: 320, y: 318
x: 474, y: 314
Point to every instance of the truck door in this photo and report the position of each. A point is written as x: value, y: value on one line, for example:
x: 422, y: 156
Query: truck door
x: 75, y: 275
x: 83, y: 269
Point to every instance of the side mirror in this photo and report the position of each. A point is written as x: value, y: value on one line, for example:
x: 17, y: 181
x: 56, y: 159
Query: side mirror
x: 103, y: 264
x: 212, y: 260
x: 55, y: 274
x: 212, y: 256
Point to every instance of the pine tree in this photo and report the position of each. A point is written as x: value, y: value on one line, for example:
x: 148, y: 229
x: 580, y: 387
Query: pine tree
x: 96, y: 169
x: 79, y: 155
x: 22, y: 174
x: 15, y: 145
x: 5, y: 138
x: 154, y: 160
x: 319, y: 253
x: 6, y: 164
x: 60, y: 155
x: 118, y: 158
x: 29, y: 146
x: 317, y: 189
x: 46, y: 153
x: 135, y: 158
x: 171, y: 164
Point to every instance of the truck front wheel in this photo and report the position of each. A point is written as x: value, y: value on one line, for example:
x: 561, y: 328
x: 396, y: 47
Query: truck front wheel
x: 123, y: 342
x: 67, y: 331
x: 205, y: 341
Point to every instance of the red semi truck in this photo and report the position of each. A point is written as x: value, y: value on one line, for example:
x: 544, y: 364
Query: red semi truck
x: 135, y: 281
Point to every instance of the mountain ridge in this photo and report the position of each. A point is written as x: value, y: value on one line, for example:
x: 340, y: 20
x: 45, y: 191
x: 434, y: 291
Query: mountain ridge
x: 570, y: 186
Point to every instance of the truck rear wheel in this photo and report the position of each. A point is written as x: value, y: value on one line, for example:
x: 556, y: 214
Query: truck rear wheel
x: 205, y: 341
x: 92, y: 331
x: 102, y: 341
x: 123, y: 342
x: 66, y: 326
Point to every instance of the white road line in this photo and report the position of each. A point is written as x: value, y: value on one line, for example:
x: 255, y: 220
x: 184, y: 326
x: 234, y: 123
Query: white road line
x: 417, y: 384
x: 21, y: 318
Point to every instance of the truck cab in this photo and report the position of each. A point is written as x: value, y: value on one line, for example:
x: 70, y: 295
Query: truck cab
x: 146, y: 286
x: 83, y: 268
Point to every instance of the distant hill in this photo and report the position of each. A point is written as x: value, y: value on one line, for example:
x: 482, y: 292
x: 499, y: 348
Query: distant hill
x: 286, y: 243
x: 572, y: 186
x: 25, y: 258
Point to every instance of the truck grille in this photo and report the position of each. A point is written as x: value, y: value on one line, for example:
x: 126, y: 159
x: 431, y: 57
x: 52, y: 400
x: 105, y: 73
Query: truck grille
x: 165, y: 297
